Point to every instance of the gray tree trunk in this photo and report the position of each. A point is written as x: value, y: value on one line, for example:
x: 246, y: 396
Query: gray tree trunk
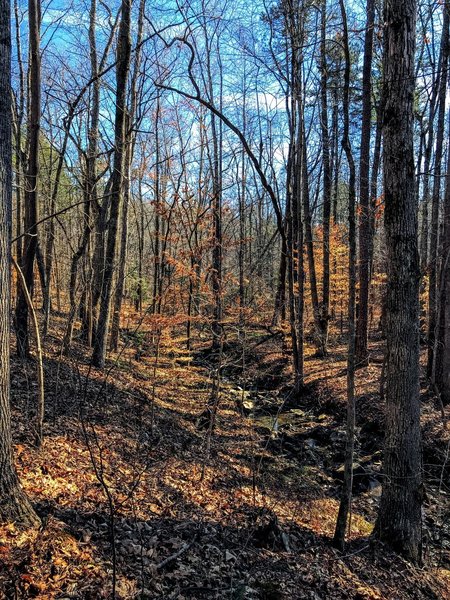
x: 325, y: 306
x: 123, y: 67
x: 441, y: 367
x: 346, y: 497
x: 399, y: 516
x: 14, y: 505
x: 365, y: 230
x: 129, y: 152
x: 32, y: 173
x: 436, y: 197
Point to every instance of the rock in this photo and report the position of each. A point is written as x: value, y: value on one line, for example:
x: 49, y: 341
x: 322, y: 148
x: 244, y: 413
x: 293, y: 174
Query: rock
x: 365, y: 478
x: 338, y: 436
x: 375, y: 488
x: 358, y: 469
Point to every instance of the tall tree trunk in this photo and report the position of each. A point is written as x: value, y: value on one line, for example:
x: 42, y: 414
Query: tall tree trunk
x: 280, y: 296
x: 129, y: 153
x: 294, y: 26
x: 335, y: 161
x: 297, y: 219
x: 156, y: 301
x: 441, y: 367
x: 309, y: 242
x: 365, y: 231
x: 434, y: 239
x: 374, y: 184
x: 49, y: 246
x: 31, y: 192
x: 325, y: 305
x: 399, y: 515
x: 120, y: 283
x: 123, y: 66
x: 14, y: 505
x: 140, y: 226
x: 428, y: 134
x: 242, y: 202
x: 90, y: 193
x: 99, y: 253
x: 216, y: 274
x: 19, y: 158
x: 91, y: 208
x: 424, y: 234
x: 344, y: 507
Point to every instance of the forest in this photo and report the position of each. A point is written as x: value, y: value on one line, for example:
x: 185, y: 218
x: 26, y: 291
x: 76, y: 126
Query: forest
x: 225, y: 299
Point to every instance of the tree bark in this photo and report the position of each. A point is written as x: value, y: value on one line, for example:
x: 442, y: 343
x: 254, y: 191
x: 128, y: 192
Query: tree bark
x: 123, y: 66
x: 14, y: 505
x: 217, y: 253
x: 441, y: 367
x: 309, y: 242
x: 129, y: 153
x: 436, y: 197
x: 365, y: 231
x: 31, y: 192
x: 346, y: 497
x: 399, y: 516
x: 325, y: 306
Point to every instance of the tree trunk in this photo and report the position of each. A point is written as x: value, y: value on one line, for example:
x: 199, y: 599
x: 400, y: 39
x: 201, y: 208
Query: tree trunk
x: 346, y: 497
x: 365, y: 231
x: 31, y: 192
x: 242, y: 202
x: 140, y: 227
x: 436, y: 197
x: 280, y: 296
x: 156, y: 301
x: 19, y: 162
x: 374, y: 184
x: 216, y: 272
x: 14, y: 505
x: 441, y: 367
x: 130, y: 133
x: 325, y: 306
x: 123, y: 66
x: 399, y: 515
x: 120, y: 283
x: 335, y: 162
x: 90, y: 194
x: 297, y: 218
x: 309, y: 240
x: 294, y: 27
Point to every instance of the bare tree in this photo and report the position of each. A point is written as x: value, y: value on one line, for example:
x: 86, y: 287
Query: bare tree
x: 365, y: 230
x: 123, y: 67
x: 32, y: 177
x: 344, y: 507
x: 325, y: 306
x: 441, y: 366
x: 436, y: 196
x: 129, y: 153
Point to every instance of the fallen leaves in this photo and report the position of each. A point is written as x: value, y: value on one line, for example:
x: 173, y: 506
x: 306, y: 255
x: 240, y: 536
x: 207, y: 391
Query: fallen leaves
x: 186, y: 527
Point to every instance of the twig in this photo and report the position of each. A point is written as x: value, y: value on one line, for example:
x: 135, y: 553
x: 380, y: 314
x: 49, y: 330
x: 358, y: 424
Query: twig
x: 170, y: 559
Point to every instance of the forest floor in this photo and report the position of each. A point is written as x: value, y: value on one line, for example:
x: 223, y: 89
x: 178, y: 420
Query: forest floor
x: 136, y: 495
